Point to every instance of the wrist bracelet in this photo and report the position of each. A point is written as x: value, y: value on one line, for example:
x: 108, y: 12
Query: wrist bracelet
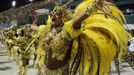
x: 91, y: 9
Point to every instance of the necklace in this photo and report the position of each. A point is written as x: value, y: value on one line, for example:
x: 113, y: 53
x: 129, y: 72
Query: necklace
x: 55, y: 30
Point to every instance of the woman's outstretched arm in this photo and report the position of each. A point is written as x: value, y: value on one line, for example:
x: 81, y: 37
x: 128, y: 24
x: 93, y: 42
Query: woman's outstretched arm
x: 99, y: 4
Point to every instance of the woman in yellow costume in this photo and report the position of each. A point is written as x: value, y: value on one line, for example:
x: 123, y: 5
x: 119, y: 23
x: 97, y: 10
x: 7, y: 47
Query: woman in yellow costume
x: 87, y: 44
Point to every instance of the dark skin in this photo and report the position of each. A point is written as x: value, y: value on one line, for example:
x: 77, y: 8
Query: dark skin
x: 57, y: 20
x: 99, y: 4
x: 53, y: 63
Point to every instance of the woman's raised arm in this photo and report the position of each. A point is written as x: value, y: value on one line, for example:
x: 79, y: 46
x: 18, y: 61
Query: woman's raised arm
x: 99, y: 4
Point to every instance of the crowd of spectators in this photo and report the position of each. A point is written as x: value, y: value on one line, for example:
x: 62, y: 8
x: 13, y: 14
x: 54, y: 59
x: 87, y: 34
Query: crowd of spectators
x: 13, y: 15
x: 23, y: 12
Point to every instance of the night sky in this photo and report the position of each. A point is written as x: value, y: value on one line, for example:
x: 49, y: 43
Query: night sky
x: 7, y: 4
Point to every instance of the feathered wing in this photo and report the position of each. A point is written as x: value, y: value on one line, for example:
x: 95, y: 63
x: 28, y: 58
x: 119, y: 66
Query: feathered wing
x: 101, y: 44
x: 101, y: 39
x: 117, y: 13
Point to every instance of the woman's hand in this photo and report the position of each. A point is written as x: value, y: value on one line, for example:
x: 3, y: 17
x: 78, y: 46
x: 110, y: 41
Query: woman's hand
x: 101, y: 5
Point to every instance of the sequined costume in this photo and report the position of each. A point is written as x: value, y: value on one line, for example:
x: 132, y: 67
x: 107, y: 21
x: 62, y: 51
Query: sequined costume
x: 88, y: 50
x: 57, y: 48
x: 16, y: 39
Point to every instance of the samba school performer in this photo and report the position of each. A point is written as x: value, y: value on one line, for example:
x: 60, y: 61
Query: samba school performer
x: 85, y: 42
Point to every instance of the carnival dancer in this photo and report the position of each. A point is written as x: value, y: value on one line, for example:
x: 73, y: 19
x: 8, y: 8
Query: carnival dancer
x: 85, y: 44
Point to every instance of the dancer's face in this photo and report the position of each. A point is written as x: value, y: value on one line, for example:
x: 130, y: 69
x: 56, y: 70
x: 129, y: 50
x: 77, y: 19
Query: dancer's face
x: 56, y: 18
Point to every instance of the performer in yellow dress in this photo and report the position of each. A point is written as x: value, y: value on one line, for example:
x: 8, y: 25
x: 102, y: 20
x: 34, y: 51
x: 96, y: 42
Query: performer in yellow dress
x: 85, y: 44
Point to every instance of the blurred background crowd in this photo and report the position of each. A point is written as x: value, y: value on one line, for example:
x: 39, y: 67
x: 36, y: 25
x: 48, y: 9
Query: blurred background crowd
x: 22, y: 12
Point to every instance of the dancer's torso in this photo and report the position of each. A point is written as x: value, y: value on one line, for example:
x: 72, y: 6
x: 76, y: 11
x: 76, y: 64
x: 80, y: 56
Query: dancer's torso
x: 56, y: 46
